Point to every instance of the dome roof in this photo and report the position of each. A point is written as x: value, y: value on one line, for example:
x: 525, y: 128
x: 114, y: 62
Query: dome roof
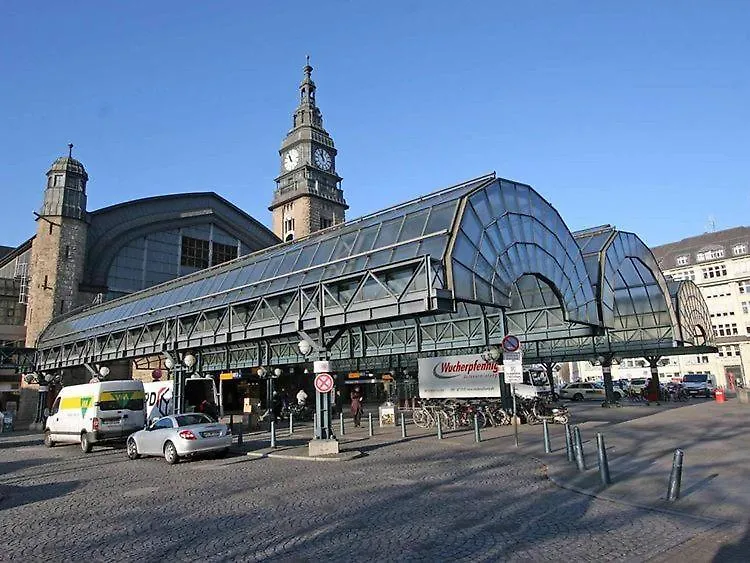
x: 68, y: 164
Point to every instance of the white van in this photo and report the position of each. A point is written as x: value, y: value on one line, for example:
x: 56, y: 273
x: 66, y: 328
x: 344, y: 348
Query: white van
x: 96, y: 412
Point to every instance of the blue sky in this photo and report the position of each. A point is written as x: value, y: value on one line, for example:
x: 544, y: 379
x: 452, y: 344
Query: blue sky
x: 632, y: 113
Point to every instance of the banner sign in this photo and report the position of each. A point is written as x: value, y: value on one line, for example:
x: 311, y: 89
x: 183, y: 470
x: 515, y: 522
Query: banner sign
x: 458, y: 377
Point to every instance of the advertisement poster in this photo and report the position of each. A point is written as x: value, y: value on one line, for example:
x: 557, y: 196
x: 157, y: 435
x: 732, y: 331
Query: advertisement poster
x: 456, y: 377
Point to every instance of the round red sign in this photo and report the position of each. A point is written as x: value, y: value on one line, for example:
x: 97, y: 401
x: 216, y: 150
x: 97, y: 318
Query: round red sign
x: 323, y: 382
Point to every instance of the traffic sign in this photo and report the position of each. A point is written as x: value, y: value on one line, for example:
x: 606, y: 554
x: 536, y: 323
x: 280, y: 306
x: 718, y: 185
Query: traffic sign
x: 513, y: 367
x: 511, y: 343
x: 323, y: 382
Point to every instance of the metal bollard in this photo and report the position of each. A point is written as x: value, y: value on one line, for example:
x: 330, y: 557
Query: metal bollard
x: 578, y: 447
x: 231, y: 423
x: 675, y: 478
x: 291, y: 423
x: 603, y: 464
x: 477, y: 437
x: 439, y: 425
x: 569, y: 443
x: 455, y: 422
x: 369, y: 422
x: 403, y: 426
x: 547, y: 445
x: 341, y: 424
x: 273, y: 433
x: 239, y: 436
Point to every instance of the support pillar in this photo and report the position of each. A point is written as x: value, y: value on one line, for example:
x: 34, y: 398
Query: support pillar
x: 609, y: 388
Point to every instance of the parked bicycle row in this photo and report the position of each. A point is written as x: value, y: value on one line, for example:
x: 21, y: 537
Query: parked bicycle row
x: 455, y: 413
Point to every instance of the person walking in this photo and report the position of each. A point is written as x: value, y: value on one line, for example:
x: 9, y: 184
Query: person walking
x: 356, y: 406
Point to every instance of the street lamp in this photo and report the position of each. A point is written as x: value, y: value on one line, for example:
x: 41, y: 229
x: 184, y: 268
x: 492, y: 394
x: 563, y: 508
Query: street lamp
x: 169, y: 363
x: 189, y: 361
x: 492, y: 354
x: 304, y: 347
x: 103, y: 371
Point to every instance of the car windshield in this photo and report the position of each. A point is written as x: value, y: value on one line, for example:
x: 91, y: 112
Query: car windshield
x: 637, y: 381
x: 695, y: 378
x: 599, y: 385
x: 190, y: 419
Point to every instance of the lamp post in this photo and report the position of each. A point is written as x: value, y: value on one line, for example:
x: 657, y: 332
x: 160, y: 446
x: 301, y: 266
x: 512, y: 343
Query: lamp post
x: 179, y: 367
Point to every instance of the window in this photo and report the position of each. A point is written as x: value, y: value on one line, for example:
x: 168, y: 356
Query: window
x: 163, y: 423
x: 46, y: 279
x: 325, y: 223
x: 190, y: 419
x: 710, y: 255
x: 50, y: 227
x: 288, y: 224
x: 121, y: 400
x: 745, y: 287
x: 67, y: 251
x: 62, y: 306
x: 58, y: 180
x: 194, y: 252
x: 55, y: 407
x: 714, y: 272
x: 683, y: 260
x: 223, y: 252
x: 746, y: 307
x: 738, y: 249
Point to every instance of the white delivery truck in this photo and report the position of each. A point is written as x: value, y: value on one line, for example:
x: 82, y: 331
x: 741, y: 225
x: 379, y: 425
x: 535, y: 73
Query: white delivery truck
x: 96, y: 412
x: 159, y: 399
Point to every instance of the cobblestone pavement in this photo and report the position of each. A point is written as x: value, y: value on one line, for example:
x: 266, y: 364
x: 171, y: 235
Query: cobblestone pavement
x: 411, y: 500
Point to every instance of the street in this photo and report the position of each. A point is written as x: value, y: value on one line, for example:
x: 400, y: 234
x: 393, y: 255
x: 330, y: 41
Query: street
x: 406, y: 500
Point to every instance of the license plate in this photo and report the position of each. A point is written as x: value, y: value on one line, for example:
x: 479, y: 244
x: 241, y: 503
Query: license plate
x: 210, y: 434
x: 110, y: 421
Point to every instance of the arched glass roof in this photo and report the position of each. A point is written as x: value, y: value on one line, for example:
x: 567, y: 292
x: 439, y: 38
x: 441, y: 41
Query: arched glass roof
x: 693, y: 317
x: 456, y: 269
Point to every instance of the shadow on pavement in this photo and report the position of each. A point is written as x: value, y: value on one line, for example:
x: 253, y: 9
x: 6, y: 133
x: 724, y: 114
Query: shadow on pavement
x: 12, y: 496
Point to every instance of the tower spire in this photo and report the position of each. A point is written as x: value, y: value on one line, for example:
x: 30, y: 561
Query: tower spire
x: 70, y: 150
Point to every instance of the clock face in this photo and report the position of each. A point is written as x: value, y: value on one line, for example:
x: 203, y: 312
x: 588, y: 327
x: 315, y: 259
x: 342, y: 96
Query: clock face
x: 291, y: 158
x: 323, y: 160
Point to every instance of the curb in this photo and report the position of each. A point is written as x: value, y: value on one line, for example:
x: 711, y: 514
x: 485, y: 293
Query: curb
x: 343, y: 456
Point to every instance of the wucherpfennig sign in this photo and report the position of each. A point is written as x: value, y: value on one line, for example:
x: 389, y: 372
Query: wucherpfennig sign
x: 458, y: 377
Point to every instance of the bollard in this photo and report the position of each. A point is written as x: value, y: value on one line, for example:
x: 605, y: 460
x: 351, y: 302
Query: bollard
x: 439, y: 425
x: 239, y: 436
x: 273, y: 433
x: 341, y: 424
x: 477, y: 437
x: 291, y: 423
x: 231, y: 423
x: 369, y: 422
x: 603, y: 464
x: 403, y: 426
x: 455, y: 422
x: 675, y: 478
x: 578, y: 448
x: 569, y: 442
x: 547, y: 445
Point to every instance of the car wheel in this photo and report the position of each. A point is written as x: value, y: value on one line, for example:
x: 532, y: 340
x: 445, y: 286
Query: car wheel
x: 48, y: 439
x: 133, y: 449
x: 222, y: 453
x: 86, y: 444
x: 170, y: 453
x: 578, y: 397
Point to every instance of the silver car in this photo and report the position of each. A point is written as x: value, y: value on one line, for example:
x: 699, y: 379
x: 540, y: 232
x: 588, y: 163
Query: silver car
x: 180, y: 435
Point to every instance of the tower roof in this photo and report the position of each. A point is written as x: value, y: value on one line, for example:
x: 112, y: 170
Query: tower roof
x: 68, y: 164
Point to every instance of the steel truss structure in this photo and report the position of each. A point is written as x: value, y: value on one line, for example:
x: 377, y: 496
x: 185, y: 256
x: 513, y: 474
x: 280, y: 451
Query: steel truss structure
x: 455, y: 270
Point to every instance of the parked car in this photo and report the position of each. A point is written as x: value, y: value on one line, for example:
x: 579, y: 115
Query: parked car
x: 179, y: 436
x: 638, y: 384
x: 585, y: 390
x: 699, y: 384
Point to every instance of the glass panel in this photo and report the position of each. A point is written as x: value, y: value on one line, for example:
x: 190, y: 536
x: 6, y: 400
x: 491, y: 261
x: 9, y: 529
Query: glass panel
x: 413, y: 226
x: 388, y: 233
x: 305, y: 256
x: 440, y: 217
x: 344, y: 246
x: 323, y: 252
x: 366, y: 239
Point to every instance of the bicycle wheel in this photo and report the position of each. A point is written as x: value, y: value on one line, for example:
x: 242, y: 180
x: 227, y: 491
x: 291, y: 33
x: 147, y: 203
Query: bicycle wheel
x: 421, y: 418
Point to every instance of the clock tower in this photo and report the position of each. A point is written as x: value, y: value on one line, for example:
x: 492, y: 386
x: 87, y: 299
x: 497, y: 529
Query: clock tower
x: 308, y: 195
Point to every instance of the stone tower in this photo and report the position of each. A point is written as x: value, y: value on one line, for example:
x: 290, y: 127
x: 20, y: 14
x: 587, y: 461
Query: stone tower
x: 59, y: 248
x: 308, y: 195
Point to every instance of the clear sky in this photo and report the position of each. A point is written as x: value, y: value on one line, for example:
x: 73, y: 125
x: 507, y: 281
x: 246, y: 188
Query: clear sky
x: 631, y: 113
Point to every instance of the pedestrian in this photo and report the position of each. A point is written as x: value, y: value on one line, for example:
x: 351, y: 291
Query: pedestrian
x: 301, y: 397
x: 356, y: 406
x: 277, y: 405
